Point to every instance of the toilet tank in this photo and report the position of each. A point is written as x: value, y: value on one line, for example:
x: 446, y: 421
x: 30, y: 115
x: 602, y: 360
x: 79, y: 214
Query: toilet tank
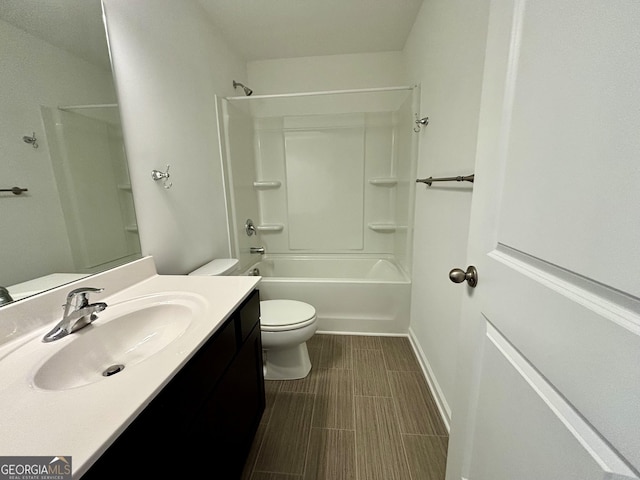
x: 219, y: 266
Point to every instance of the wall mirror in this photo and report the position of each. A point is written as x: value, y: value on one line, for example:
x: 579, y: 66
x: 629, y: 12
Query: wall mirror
x: 61, y: 143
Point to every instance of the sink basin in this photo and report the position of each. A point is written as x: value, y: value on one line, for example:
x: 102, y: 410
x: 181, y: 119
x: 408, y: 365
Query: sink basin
x: 124, y: 335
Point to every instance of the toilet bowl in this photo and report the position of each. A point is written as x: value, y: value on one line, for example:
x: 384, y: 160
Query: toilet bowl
x: 285, y: 327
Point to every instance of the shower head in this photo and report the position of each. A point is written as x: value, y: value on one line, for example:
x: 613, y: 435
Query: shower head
x: 247, y: 90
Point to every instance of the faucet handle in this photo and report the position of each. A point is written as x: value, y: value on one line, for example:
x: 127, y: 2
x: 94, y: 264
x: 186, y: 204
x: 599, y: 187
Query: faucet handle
x: 80, y: 296
x: 83, y: 290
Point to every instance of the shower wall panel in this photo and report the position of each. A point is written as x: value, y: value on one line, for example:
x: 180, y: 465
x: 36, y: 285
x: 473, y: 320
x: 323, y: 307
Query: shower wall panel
x: 324, y: 164
x: 240, y: 175
x: 84, y: 167
x: 334, y: 172
x: 326, y: 200
x: 324, y: 174
x: 404, y: 167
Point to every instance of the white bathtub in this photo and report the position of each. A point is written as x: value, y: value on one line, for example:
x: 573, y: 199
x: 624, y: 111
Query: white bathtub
x: 350, y: 294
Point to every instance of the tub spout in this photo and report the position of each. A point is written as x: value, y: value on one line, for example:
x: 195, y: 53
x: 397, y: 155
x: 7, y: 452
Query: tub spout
x: 259, y: 250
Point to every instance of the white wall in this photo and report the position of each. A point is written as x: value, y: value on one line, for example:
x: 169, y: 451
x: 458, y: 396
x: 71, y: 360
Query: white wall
x: 35, y: 73
x: 169, y: 63
x: 331, y: 72
x: 445, y: 54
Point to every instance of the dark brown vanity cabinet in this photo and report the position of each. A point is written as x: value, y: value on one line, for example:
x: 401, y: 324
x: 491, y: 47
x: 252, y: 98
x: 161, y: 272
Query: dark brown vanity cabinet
x: 202, y: 423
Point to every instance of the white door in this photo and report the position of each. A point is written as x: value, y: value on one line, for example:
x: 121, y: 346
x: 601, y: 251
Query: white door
x: 549, y: 372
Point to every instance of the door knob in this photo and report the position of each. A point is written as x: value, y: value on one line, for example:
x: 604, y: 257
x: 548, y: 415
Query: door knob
x: 471, y: 276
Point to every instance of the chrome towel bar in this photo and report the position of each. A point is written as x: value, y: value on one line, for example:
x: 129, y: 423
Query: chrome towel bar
x: 14, y: 190
x: 430, y: 180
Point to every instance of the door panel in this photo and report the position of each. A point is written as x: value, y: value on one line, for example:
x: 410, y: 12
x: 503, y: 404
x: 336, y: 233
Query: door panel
x: 585, y: 345
x: 573, y: 140
x: 540, y: 433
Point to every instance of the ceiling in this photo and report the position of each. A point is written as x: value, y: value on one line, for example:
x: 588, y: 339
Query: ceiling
x: 254, y: 29
x: 266, y: 29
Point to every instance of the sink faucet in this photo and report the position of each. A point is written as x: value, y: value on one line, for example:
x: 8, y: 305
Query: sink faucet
x: 259, y: 250
x: 78, y: 313
x: 5, y: 296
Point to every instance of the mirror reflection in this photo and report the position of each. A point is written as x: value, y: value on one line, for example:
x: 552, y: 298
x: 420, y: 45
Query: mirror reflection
x: 72, y: 214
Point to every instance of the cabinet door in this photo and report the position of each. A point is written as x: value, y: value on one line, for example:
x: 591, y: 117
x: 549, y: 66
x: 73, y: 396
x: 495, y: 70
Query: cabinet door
x: 229, y: 420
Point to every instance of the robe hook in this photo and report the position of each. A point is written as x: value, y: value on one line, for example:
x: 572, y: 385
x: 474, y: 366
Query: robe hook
x: 420, y: 122
x: 158, y: 175
x: 31, y: 140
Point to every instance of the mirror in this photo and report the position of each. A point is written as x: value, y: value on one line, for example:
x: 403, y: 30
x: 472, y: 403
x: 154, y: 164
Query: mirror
x: 61, y: 142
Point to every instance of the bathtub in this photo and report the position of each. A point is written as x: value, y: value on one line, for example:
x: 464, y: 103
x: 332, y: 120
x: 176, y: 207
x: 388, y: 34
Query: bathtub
x: 350, y: 294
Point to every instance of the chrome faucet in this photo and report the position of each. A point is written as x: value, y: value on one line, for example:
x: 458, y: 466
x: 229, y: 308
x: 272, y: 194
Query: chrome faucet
x: 78, y: 313
x: 259, y: 250
x: 5, y: 296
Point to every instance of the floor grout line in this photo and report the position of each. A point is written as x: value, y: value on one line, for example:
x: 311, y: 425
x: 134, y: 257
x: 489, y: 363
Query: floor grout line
x: 353, y: 412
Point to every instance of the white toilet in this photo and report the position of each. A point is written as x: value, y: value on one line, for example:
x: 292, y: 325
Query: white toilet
x: 285, y: 326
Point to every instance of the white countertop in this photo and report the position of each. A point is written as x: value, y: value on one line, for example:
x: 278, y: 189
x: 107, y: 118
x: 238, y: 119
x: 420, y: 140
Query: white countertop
x: 82, y: 422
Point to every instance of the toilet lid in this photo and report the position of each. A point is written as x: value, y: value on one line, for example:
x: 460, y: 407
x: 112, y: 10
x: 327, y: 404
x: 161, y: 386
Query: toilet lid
x: 279, y: 313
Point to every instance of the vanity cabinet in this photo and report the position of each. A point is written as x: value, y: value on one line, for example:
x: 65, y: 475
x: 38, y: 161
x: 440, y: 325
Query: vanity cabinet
x: 203, y: 422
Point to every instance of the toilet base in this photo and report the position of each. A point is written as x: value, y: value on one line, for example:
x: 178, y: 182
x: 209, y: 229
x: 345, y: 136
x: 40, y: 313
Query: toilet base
x: 289, y: 363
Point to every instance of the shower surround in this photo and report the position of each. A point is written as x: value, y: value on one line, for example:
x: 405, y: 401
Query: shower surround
x: 326, y: 177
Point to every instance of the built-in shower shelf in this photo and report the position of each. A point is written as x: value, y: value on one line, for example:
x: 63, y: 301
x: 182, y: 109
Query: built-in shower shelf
x: 383, y: 182
x: 267, y: 184
x: 384, y: 227
x: 124, y: 186
x: 270, y: 228
x: 131, y: 228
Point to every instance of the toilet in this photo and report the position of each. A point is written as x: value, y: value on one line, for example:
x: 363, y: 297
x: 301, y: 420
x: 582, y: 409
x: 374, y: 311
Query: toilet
x: 285, y: 327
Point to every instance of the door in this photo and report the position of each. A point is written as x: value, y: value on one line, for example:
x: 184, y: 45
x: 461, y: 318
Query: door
x: 548, y: 384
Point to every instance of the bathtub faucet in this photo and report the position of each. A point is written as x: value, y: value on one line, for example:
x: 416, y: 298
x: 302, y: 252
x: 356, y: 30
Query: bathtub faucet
x: 259, y: 250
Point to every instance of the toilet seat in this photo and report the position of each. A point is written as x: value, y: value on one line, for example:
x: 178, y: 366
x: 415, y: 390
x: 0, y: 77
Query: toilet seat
x: 283, y: 315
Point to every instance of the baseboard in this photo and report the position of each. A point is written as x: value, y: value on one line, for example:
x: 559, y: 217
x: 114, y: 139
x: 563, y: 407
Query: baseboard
x: 362, y: 334
x: 441, y: 402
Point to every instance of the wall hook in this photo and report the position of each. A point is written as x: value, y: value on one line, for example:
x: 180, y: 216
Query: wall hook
x: 164, y: 176
x: 31, y: 140
x: 420, y: 122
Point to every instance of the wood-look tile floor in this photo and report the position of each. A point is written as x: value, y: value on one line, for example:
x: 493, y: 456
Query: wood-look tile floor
x: 364, y: 412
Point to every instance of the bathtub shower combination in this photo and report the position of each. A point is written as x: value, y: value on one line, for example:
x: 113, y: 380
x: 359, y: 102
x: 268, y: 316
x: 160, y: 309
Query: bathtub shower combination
x: 349, y: 294
x: 327, y: 179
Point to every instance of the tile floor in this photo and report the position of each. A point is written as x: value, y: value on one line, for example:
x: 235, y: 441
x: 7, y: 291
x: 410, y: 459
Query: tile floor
x: 363, y: 413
